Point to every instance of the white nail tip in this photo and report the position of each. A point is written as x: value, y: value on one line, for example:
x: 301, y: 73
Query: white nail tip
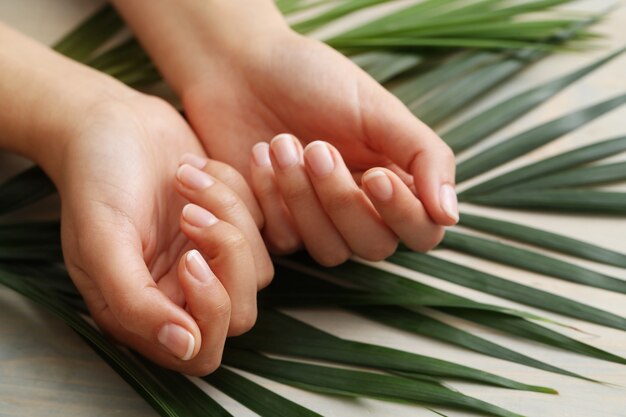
x: 191, y: 345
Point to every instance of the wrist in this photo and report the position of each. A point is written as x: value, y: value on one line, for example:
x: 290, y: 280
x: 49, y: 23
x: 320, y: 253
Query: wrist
x: 202, y: 36
x: 44, y: 96
x: 63, y: 113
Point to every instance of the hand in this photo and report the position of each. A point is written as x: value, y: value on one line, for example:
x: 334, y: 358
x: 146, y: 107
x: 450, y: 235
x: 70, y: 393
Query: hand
x: 140, y: 263
x: 297, y: 85
x: 244, y: 77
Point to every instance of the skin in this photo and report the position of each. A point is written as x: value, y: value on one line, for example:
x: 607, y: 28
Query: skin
x: 173, y: 280
x: 245, y: 77
x: 121, y: 162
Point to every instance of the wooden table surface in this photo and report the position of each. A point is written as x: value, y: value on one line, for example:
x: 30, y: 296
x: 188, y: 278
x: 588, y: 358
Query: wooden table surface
x: 47, y: 371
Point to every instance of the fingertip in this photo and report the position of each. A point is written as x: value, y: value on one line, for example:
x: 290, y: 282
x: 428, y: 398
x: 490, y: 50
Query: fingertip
x: 197, y: 216
x: 378, y: 184
x: 193, y: 160
x: 449, y: 203
x: 193, y: 179
x: 285, y: 151
x: 261, y: 155
x: 178, y: 341
x: 198, y: 268
x: 319, y: 159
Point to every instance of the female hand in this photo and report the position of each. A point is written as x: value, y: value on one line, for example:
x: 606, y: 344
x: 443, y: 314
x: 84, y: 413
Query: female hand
x: 133, y: 248
x: 245, y: 77
x: 138, y: 253
x: 309, y: 196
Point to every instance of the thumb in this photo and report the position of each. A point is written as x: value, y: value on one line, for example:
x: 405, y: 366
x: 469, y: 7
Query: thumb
x: 395, y: 132
x: 115, y: 262
x: 209, y: 304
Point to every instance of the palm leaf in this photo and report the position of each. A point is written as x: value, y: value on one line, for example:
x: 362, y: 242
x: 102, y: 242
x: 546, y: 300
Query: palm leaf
x: 566, y: 200
x: 436, y: 77
x: 530, y: 260
x: 492, y: 284
x: 422, y: 324
x: 580, y: 177
x: 257, y: 398
x: 522, y: 176
x: 532, y: 139
x: 543, y: 239
x: 473, y: 130
x: 295, y: 290
x: 276, y: 333
x: 339, y: 381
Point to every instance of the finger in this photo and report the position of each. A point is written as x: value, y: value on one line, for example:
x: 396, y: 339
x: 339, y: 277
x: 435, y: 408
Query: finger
x: 209, y: 304
x: 317, y: 231
x: 231, y: 258
x: 346, y: 204
x: 405, y: 140
x: 279, y: 231
x: 115, y: 262
x: 400, y: 210
x: 206, y: 191
x: 232, y: 178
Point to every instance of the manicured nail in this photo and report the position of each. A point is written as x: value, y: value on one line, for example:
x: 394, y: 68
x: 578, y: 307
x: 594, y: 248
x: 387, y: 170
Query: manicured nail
x: 379, y: 185
x: 193, y: 160
x: 177, y: 340
x: 285, y: 151
x: 197, y: 266
x: 197, y: 216
x: 261, y: 154
x: 449, y: 202
x: 192, y: 177
x: 319, y: 158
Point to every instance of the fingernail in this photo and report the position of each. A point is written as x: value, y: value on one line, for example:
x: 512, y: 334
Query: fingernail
x: 261, y: 154
x: 197, y: 266
x: 193, y: 160
x: 177, y: 340
x: 379, y: 185
x: 285, y: 151
x: 197, y: 216
x: 449, y: 202
x: 319, y: 158
x: 193, y: 178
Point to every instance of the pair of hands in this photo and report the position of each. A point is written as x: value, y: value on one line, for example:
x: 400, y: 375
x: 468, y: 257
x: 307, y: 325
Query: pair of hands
x: 138, y: 252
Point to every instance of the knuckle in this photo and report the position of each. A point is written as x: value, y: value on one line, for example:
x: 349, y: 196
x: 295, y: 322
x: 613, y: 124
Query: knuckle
x: 207, y: 366
x: 264, y: 189
x: 429, y: 241
x: 332, y: 258
x: 221, y: 309
x: 266, y: 275
x: 127, y: 313
x: 341, y: 201
x: 229, y: 204
x: 404, y: 216
x: 229, y: 175
x: 380, y: 250
x: 446, y: 152
x: 234, y: 241
x: 297, y: 193
x: 283, y: 245
x: 241, y: 323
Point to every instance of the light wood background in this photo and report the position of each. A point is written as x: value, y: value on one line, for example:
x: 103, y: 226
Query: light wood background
x: 47, y: 371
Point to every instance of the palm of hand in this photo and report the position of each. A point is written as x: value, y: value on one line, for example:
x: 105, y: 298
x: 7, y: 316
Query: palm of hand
x: 125, y: 199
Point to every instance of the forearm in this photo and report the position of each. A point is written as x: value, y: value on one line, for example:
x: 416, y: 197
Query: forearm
x: 186, y: 38
x: 43, y: 95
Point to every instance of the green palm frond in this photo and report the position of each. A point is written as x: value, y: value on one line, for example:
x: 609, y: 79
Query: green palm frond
x: 438, y: 57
